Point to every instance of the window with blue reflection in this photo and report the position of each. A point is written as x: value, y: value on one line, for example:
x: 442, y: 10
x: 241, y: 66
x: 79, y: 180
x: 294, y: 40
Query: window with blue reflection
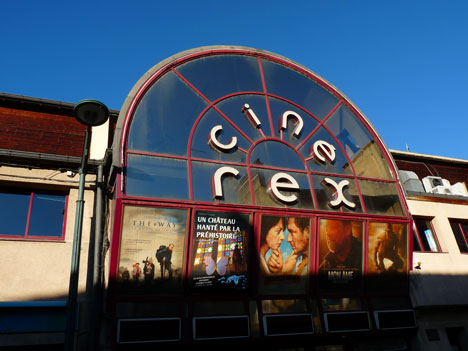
x: 292, y: 85
x: 339, y: 165
x: 47, y: 215
x: 325, y: 193
x: 163, y: 123
x: 359, y: 144
x: 278, y: 108
x: 32, y: 215
x: 236, y: 190
x: 276, y: 154
x: 164, y: 117
x: 232, y: 108
x: 157, y: 177
x: 381, y: 198
x: 14, y: 210
x: 217, y: 76
x: 201, y: 148
x: 260, y: 180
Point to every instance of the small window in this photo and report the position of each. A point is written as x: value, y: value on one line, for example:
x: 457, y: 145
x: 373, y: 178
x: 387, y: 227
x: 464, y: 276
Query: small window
x: 460, y: 230
x: 424, y: 237
x: 32, y: 215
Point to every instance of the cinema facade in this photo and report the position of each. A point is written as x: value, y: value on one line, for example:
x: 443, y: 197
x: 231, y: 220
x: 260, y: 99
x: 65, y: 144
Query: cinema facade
x: 253, y: 202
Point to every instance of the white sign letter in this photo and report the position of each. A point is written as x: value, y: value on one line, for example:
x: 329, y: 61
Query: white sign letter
x: 282, y: 181
x: 251, y: 116
x: 216, y: 185
x: 323, y: 151
x: 339, y: 196
x: 214, y: 142
x: 284, y: 122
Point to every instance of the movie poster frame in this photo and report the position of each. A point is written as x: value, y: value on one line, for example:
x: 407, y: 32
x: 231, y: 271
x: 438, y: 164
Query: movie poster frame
x: 190, y: 248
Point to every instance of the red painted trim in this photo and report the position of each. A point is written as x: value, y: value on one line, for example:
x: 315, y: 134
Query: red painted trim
x: 414, y: 230
x: 409, y: 230
x: 115, y: 243
x: 272, y: 168
x: 319, y: 125
x: 65, y: 214
x: 212, y: 105
x: 145, y: 153
x: 463, y: 233
x: 266, y: 97
x: 28, y: 219
x: 218, y: 162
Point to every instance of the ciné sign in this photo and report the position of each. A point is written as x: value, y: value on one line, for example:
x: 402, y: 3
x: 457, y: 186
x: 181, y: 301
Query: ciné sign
x: 321, y: 151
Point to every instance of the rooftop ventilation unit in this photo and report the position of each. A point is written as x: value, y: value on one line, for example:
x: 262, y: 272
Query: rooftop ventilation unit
x: 430, y: 183
x: 459, y: 189
x: 410, y: 181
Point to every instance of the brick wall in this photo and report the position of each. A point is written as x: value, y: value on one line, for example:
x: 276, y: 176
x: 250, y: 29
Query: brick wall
x: 41, y: 132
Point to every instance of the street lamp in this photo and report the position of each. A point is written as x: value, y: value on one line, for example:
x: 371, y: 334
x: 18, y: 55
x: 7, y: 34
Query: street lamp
x: 91, y: 113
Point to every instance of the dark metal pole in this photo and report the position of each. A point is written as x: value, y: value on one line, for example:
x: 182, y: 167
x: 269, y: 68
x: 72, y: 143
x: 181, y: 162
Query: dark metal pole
x: 72, y: 305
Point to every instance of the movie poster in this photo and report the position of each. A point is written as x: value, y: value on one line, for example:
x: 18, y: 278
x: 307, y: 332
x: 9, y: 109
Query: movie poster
x: 340, y: 256
x: 152, y: 250
x: 219, y: 252
x: 388, y: 257
x: 284, y: 254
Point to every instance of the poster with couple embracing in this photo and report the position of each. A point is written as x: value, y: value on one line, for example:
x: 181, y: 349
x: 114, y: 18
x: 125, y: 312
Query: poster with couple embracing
x: 284, y: 254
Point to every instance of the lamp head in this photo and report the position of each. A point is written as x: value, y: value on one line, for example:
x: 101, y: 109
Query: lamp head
x: 91, y: 112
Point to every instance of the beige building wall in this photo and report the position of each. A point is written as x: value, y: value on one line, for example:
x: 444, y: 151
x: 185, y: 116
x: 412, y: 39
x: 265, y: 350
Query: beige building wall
x: 443, y: 277
x: 439, y: 288
x: 40, y: 270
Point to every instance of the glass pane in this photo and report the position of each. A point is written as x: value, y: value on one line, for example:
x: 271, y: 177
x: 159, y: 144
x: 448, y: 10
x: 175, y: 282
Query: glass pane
x: 387, y: 256
x: 367, y: 158
x: 284, y: 254
x: 152, y: 251
x: 201, y: 140
x: 260, y: 182
x: 220, y: 243
x: 426, y: 235
x: 340, y: 164
x: 459, y: 237
x: 278, y: 108
x: 157, y: 177
x: 47, y: 215
x: 416, y: 245
x: 381, y: 198
x: 276, y: 154
x: 14, y: 210
x: 232, y: 108
x: 217, y: 76
x: 289, y: 84
x: 326, y: 195
x: 236, y: 190
x: 164, y: 117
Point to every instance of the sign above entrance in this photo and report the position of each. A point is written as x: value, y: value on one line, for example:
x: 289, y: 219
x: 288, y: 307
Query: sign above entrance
x: 233, y: 125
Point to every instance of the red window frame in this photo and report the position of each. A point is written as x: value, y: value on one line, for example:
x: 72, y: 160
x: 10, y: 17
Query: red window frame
x: 417, y: 235
x: 464, y: 233
x: 26, y: 236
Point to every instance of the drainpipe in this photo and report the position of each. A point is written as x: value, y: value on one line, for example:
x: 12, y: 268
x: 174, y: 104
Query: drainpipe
x: 95, y: 300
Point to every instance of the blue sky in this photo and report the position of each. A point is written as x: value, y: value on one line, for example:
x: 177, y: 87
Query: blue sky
x: 403, y: 63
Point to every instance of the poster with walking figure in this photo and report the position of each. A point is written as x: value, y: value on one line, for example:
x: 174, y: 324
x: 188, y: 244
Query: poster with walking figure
x: 387, y: 256
x: 152, y: 250
x: 219, y: 252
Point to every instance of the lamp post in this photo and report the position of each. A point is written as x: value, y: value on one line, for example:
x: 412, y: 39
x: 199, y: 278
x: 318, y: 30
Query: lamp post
x: 90, y: 113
